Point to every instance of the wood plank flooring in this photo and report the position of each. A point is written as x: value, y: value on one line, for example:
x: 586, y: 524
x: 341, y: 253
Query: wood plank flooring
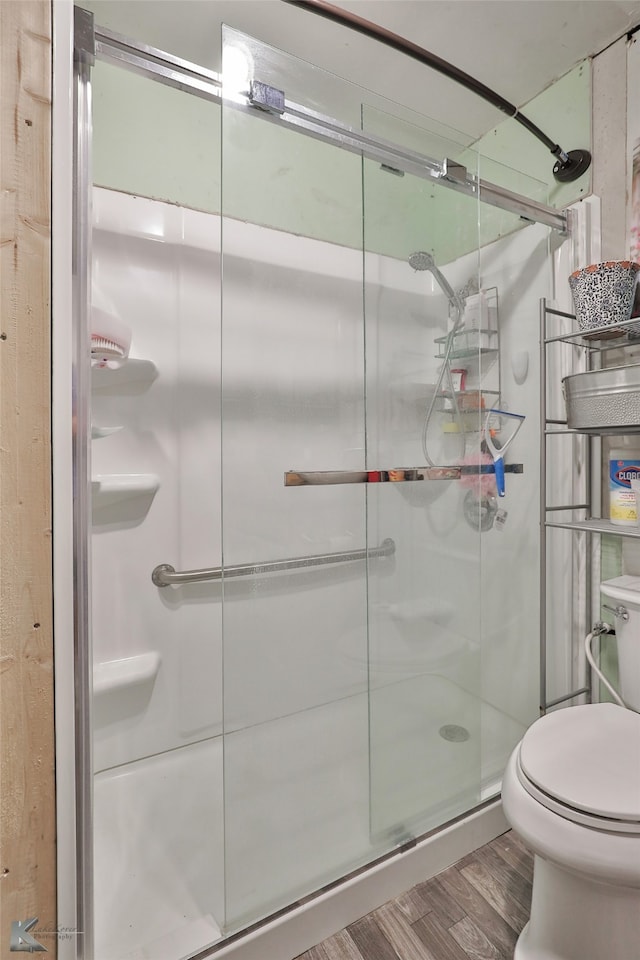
x: 472, y: 911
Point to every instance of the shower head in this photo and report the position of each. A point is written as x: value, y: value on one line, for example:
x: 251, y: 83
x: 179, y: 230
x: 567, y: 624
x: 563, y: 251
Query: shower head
x: 421, y: 260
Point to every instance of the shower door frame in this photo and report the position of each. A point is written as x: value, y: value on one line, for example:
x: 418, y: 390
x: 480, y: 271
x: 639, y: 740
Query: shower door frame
x: 90, y: 43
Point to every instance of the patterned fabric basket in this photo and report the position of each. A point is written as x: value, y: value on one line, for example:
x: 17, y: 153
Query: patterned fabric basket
x: 604, y: 294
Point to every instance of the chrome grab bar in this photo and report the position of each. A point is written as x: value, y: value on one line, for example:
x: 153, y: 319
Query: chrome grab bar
x: 164, y: 575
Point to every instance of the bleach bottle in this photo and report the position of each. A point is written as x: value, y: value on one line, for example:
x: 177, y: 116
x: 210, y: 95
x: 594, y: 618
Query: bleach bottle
x: 624, y: 466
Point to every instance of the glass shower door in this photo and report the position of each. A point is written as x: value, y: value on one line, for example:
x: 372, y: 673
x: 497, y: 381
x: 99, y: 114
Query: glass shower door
x: 353, y: 709
x: 295, y: 634
x: 428, y: 383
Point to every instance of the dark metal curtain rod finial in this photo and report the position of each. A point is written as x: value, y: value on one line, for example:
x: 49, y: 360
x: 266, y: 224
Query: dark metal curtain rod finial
x: 567, y: 168
x: 577, y: 163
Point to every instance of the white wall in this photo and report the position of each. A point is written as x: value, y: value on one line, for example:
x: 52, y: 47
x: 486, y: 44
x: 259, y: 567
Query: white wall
x: 292, y: 398
x: 156, y: 878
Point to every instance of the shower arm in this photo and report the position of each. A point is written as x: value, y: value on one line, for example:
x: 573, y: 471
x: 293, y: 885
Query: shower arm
x: 568, y: 167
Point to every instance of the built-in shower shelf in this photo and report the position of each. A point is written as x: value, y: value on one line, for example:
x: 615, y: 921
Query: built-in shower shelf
x: 127, y: 672
x: 132, y: 371
x: 110, y: 489
x: 597, y: 526
x: 97, y: 433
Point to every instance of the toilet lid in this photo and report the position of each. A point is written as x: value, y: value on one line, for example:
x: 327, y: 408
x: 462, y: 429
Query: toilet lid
x: 588, y: 758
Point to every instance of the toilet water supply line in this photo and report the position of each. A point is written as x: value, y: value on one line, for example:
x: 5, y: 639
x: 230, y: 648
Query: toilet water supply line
x: 598, y: 630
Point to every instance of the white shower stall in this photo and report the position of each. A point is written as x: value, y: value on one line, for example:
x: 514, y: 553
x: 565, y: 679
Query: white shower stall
x: 353, y: 652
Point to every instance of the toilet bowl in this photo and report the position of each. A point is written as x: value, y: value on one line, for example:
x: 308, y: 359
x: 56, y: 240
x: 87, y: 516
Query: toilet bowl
x: 571, y: 790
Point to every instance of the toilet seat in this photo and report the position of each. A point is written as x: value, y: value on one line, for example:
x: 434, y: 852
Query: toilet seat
x: 583, y: 763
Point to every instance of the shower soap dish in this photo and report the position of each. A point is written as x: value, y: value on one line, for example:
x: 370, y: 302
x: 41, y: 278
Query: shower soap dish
x: 110, y: 489
x: 126, y: 672
x: 130, y: 372
x: 603, y: 401
x: 97, y: 433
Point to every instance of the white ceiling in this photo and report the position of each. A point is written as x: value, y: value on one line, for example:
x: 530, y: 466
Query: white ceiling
x: 516, y: 47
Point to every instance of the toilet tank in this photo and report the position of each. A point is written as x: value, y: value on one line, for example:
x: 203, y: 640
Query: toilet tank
x: 624, y: 593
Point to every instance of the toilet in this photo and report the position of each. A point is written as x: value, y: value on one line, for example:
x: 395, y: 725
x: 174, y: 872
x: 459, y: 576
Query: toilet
x: 571, y: 790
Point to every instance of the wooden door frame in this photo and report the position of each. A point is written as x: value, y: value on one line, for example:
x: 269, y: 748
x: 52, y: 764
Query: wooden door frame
x: 27, y: 742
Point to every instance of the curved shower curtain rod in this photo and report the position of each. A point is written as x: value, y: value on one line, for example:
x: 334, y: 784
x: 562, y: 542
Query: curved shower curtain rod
x: 568, y: 167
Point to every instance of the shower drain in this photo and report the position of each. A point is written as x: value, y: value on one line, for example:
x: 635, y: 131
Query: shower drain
x: 454, y: 732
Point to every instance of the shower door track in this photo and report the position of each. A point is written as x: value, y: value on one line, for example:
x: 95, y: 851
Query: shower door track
x: 154, y: 64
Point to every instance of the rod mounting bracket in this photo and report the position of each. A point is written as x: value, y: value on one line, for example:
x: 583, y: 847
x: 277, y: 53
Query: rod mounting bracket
x: 454, y: 171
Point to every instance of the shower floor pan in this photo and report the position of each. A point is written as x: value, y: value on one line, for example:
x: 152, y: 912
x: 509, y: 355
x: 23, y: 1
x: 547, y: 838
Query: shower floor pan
x: 305, y: 803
